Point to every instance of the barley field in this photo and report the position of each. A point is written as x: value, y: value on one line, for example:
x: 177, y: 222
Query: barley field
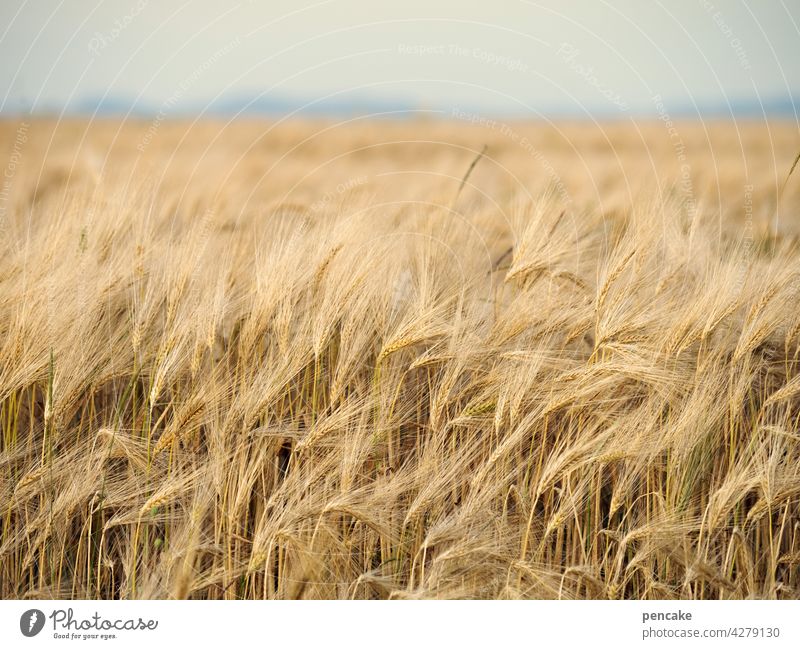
x: 399, y: 359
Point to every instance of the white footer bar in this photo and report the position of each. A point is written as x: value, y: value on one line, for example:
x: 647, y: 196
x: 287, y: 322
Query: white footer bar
x: 412, y: 624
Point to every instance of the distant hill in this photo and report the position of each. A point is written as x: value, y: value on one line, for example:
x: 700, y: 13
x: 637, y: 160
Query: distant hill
x: 345, y: 105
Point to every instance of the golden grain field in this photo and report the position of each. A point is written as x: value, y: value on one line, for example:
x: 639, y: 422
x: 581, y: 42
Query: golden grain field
x: 311, y: 359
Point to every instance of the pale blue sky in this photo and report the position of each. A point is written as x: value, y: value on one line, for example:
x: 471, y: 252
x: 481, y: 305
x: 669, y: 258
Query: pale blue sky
x: 507, y: 57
